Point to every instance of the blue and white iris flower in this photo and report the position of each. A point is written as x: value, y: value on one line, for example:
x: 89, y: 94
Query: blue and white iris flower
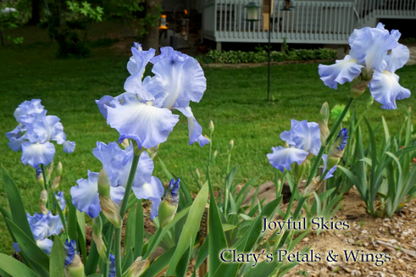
x: 303, y: 140
x: 117, y: 163
x: 35, y: 132
x: 144, y: 112
x: 42, y: 227
x: 375, y: 55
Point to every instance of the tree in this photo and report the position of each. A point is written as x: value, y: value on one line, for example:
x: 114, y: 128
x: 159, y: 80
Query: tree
x: 150, y: 23
x: 35, y: 19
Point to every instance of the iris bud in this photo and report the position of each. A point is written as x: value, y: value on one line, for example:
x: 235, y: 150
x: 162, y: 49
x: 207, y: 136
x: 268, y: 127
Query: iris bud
x: 55, y: 183
x: 39, y: 178
x: 97, y: 226
x: 231, y: 145
x: 337, y: 148
x: 73, y: 264
x: 49, y: 170
x: 215, y: 155
x: 153, y: 151
x: 323, y: 123
x: 370, y: 101
x: 169, y: 205
x: 125, y: 143
x: 76, y: 268
x: 43, y: 200
x: 359, y: 85
x: 137, y: 268
x: 313, y: 186
x: 59, y: 169
x: 109, y: 208
x: 211, y: 127
x: 299, y: 171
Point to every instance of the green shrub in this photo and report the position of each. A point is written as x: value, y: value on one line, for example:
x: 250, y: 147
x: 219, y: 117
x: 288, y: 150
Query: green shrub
x: 261, y: 55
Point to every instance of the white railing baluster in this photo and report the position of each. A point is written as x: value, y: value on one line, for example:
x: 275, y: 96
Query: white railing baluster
x: 316, y: 20
x: 279, y: 32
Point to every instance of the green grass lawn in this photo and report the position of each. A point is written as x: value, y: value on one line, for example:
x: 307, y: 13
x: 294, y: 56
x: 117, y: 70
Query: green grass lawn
x: 235, y: 99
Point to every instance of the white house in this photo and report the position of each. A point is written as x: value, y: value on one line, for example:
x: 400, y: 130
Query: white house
x: 307, y: 21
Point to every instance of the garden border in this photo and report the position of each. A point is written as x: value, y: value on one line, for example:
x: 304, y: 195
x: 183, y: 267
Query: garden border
x: 251, y: 65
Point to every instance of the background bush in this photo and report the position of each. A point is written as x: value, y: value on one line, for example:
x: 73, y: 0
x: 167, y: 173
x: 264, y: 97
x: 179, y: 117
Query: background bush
x: 261, y: 55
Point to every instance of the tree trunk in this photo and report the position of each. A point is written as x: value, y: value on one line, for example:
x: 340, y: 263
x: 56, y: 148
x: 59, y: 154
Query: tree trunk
x: 151, y: 39
x: 35, y: 19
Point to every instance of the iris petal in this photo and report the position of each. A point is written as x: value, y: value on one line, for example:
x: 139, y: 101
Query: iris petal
x: 145, y: 186
x: 147, y: 125
x: 45, y: 245
x: 373, y: 44
x: 137, y: 63
x: 69, y: 146
x: 85, y: 195
x: 282, y: 158
x: 331, y: 171
x: 385, y: 89
x: 37, y: 153
x: 303, y: 135
x: 341, y: 72
x: 195, y: 130
x: 397, y: 58
x: 178, y: 79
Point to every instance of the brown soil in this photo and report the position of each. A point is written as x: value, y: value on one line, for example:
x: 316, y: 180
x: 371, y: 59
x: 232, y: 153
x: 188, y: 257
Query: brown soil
x: 366, y: 234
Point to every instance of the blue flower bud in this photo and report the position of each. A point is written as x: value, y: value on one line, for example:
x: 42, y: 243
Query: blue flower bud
x: 169, y: 205
x: 337, y: 148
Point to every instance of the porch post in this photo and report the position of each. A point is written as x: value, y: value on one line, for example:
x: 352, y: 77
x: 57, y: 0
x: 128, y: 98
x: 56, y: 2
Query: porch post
x: 219, y: 46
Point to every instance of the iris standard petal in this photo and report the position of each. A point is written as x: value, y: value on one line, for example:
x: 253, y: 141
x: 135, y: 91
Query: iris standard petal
x: 37, y: 153
x: 195, y: 130
x: 341, y: 72
x: 46, y: 129
x: 373, y: 44
x: 69, y: 146
x: 33, y: 219
x: 385, y: 89
x: 287, y: 135
x: 397, y: 58
x: 146, y: 124
x: 178, y: 80
x: 41, y: 229
x: 45, y: 245
x: 303, y: 135
x: 282, y: 158
x: 116, y: 162
x: 85, y: 195
x: 28, y: 110
x: 137, y: 63
x: 152, y: 191
x: 54, y: 223
x: 306, y: 136
x: 166, y: 53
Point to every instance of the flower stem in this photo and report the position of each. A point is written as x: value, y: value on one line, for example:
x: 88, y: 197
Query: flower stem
x: 48, y: 204
x: 117, y: 238
x: 331, y: 134
x: 107, y: 260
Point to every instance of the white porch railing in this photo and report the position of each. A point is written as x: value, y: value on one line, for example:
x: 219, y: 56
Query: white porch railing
x: 309, y: 22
